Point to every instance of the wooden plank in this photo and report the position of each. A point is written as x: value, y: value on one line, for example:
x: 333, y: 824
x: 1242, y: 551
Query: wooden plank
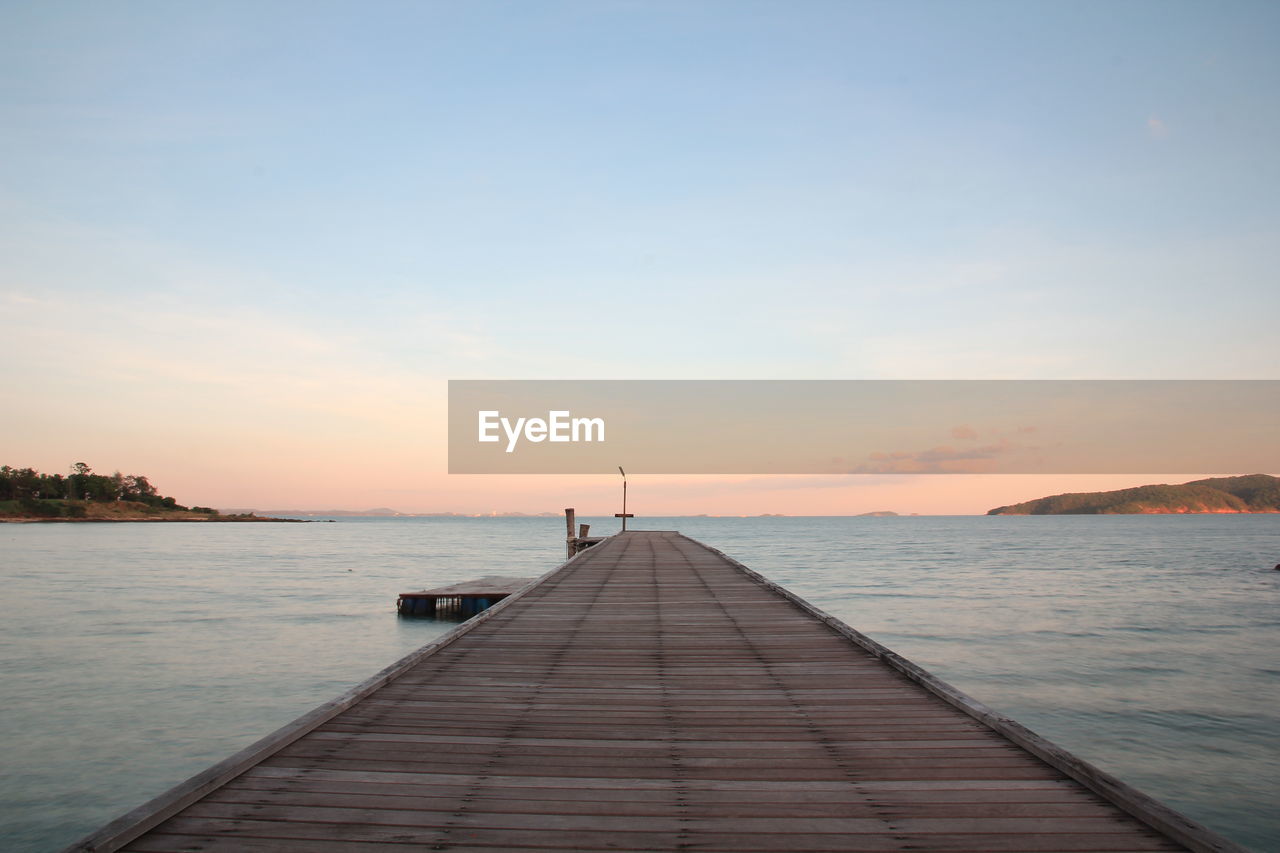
x: 807, y: 786
x: 244, y: 833
x: 719, y: 793
x: 656, y: 804
x: 560, y: 822
x: 565, y: 772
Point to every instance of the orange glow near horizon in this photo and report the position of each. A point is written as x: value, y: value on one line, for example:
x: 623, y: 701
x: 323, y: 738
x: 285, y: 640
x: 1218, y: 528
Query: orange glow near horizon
x: 245, y: 486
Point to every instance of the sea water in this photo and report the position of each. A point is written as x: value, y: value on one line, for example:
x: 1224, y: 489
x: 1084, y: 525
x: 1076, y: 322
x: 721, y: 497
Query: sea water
x: 135, y: 655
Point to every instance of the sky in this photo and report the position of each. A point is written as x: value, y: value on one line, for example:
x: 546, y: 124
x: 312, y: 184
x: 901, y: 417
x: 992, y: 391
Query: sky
x: 246, y: 245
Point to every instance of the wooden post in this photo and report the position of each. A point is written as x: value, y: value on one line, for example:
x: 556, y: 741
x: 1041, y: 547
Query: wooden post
x: 570, y: 542
x: 582, y: 530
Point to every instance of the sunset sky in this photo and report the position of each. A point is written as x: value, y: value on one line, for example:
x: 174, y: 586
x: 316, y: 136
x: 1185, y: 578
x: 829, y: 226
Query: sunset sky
x: 245, y: 245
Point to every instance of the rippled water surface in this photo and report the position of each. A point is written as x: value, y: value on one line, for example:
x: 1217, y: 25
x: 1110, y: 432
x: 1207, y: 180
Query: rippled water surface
x: 134, y: 655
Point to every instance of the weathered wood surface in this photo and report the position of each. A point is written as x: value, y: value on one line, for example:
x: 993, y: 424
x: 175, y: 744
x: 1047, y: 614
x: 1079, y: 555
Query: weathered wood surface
x: 487, y: 585
x: 650, y: 694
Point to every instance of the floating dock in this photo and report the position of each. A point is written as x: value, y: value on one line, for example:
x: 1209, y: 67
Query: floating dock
x: 652, y: 694
x: 459, y: 600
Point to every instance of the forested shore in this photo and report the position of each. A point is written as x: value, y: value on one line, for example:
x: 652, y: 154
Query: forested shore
x: 82, y: 495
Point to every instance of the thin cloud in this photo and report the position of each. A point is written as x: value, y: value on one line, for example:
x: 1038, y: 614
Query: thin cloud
x: 1157, y: 128
x: 943, y: 459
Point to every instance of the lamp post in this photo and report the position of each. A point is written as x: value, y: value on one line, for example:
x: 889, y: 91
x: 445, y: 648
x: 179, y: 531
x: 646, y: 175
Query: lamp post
x: 624, y: 515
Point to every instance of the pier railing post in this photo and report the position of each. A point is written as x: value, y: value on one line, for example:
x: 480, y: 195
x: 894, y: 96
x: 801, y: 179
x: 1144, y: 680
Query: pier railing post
x: 570, y: 542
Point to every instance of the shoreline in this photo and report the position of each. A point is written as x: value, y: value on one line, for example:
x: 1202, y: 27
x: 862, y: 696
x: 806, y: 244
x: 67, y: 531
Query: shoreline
x: 152, y: 520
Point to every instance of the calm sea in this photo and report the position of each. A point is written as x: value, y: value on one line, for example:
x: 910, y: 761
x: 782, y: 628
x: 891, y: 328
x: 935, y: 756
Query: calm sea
x: 135, y: 655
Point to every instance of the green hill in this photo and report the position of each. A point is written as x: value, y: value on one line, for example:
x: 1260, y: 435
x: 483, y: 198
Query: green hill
x: 1251, y: 493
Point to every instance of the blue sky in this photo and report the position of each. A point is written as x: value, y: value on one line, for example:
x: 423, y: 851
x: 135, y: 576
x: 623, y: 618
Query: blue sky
x: 284, y: 225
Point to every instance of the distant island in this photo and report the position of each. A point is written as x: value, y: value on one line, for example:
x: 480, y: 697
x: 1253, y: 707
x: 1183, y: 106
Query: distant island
x: 880, y: 513
x: 26, y: 495
x: 1250, y: 493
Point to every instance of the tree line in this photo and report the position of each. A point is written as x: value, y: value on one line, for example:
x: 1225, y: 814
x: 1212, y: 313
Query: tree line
x: 29, y: 487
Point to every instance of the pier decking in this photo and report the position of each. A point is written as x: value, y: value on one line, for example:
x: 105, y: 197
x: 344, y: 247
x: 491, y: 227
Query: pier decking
x: 652, y: 694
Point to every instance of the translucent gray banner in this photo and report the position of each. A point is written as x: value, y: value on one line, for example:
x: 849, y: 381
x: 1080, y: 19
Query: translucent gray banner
x: 864, y: 426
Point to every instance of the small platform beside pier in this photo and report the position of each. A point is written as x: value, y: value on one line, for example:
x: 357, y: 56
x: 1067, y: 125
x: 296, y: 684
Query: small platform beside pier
x: 461, y: 600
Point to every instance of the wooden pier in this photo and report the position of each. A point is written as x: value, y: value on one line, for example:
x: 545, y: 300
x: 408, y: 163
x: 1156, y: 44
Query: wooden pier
x: 652, y: 694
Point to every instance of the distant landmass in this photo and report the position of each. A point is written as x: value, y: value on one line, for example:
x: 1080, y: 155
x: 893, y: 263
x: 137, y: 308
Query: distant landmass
x: 26, y: 495
x: 1250, y: 493
x: 880, y: 513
